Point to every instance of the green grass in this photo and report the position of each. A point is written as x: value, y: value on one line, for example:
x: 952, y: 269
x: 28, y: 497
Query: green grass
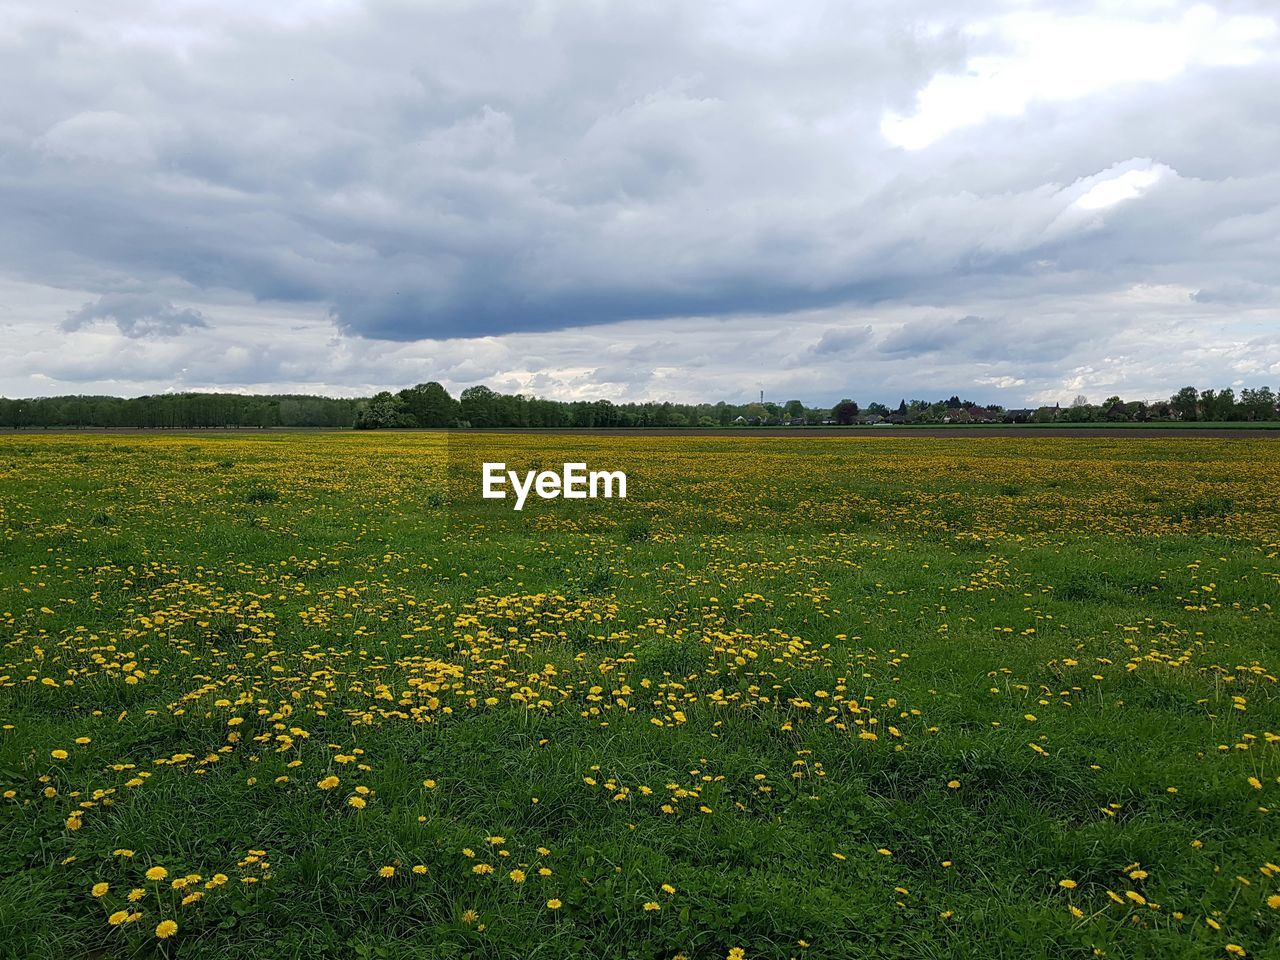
x: 286, y: 600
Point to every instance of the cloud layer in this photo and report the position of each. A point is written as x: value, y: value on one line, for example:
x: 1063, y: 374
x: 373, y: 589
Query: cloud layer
x: 1001, y: 196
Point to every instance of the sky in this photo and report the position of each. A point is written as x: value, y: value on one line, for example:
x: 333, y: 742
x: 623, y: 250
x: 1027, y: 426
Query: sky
x: 1018, y: 201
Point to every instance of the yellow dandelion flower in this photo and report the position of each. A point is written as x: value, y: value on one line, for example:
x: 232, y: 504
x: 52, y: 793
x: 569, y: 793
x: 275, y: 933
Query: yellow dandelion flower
x: 157, y: 873
x: 166, y: 929
x: 100, y: 889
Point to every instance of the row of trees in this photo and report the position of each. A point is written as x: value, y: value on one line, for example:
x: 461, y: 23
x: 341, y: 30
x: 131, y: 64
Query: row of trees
x: 430, y: 405
x: 1223, y: 405
x: 184, y: 411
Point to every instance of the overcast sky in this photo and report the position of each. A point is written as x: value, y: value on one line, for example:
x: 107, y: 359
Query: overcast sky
x: 1014, y: 200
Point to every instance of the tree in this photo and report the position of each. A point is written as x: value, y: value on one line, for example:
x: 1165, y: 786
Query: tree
x: 844, y: 412
x: 1185, y: 403
x: 1080, y: 401
x: 479, y: 406
x: 793, y: 409
x: 383, y: 410
x: 430, y: 405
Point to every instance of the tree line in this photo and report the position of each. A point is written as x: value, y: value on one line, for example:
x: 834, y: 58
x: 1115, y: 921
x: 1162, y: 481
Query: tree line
x: 431, y: 405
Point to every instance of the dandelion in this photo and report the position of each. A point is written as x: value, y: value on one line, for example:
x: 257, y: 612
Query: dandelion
x: 387, y: 871
x: 554, y: 903
x: 419, y: 868
x: 100, y: 889
x: 1067, y: 884
x: 517, y: 876
x: 157, y: 873
x: 117, y: 918
x: 356, y: 801
x: 166, y: 929
x: 328, y: 783
x: 651, y: 906
x: 58, y: 754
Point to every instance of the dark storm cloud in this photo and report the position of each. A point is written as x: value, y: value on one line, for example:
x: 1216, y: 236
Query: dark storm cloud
x: 501, y: 169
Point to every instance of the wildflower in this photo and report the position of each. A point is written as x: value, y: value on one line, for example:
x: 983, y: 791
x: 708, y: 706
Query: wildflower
x: 668, y: 888
x: 117, y: 918
x: 358, y: 802
x: 651, y: 906
x: 166, y: 929
x: 58, y: 754
x: 136, y: 894
x: 387, y: 871
x: 554, y: 904
x: 100, y: 889
x: 419, y: 868
x: 737, y: 953
x: 517, y: 876
x: 122, y: 852
x: 328, y: 783
x: 953, y: 784
x: 1067, y: 884
x: 157, y: 873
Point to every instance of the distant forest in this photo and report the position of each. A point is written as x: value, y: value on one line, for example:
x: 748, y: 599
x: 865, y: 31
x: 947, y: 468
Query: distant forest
x: 430, y: 405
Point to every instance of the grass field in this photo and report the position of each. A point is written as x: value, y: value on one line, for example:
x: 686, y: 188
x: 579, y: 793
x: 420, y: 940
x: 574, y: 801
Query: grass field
x: 310, y: 696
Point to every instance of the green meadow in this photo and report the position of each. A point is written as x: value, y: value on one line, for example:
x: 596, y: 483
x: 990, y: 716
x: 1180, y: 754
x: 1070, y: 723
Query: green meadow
x: 893, y: 697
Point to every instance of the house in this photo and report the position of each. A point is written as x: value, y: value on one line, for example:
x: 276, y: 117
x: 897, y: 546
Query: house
x: 982, y: 415
x: 739, y: 421
x: 1020, y: 415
